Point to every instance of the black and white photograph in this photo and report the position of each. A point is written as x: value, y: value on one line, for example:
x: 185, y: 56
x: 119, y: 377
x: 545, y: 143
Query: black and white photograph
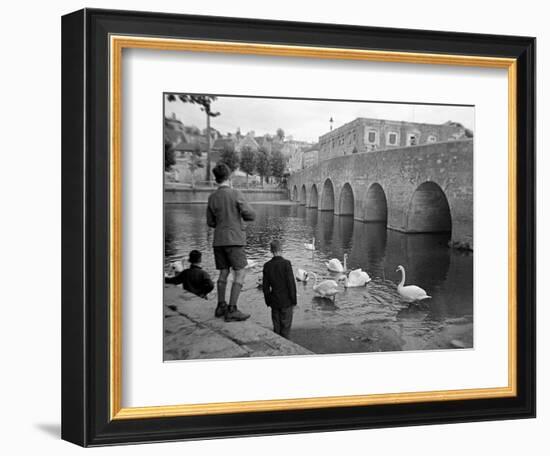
x: 315, y: 226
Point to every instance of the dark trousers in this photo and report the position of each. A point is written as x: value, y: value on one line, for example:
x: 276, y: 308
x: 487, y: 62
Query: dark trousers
x: 282, y: 320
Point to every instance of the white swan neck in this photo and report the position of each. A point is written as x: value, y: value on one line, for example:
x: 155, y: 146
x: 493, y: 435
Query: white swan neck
x: 402, y: 277
x: 345, y: 263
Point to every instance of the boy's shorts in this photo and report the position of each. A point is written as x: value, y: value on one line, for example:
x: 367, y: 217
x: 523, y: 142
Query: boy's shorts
x: 230, y: 256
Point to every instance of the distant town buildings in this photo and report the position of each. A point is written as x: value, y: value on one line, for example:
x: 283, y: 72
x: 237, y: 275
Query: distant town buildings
x: 189, y: 142
x: 368, y: 135
x: 361, y: 135
x: 311, y: 156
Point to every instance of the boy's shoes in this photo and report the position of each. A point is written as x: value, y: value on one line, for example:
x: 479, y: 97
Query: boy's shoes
x: 234, y: 314
x: 221, y: 310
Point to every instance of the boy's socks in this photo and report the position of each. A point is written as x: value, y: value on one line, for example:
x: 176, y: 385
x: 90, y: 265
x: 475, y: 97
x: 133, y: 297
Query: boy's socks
x: 235, y: 292
x: 222, y: 285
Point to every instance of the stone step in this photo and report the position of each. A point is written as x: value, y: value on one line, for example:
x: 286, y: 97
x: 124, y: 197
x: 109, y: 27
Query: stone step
x: 192, y: 332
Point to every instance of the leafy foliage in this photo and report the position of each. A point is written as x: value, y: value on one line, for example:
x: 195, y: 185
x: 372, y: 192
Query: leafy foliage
x: 169, y: 155
x: 263, y: 167
x: 204, y: 101
x: 230, y: 157
x: 248, y: 161
x: 277, y: 164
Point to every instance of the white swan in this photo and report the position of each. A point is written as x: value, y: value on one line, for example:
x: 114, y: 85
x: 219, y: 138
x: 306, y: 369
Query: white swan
x: 334, y: 265
x: 356, y: 278
x: 175, y: 267
x: 250, y: 264
x: 325, y: 289
x: 301, y: 275
x: 410, y: 293
x: 310, y: 246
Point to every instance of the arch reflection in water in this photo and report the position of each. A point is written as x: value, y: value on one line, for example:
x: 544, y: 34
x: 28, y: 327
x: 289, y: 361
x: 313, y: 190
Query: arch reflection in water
x: 369, y: 248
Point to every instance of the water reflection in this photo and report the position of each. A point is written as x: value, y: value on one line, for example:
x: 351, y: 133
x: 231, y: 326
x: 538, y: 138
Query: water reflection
x: 373, y: 314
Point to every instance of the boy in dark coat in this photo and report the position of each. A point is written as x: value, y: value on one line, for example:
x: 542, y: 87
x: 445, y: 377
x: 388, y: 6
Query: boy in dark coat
x: 279, y: 290
x: 194, y: 279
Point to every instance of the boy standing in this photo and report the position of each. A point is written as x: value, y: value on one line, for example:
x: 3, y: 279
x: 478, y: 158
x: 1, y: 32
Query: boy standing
x: 226, y: 213
x: 194, y: 279
x: 279, y: 290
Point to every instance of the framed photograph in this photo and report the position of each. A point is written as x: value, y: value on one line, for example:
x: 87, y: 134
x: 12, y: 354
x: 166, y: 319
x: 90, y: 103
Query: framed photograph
x: 277, y: 227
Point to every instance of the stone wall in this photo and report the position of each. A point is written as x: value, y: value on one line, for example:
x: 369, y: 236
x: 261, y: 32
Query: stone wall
x: 425, y: 188
x: 174, y: 194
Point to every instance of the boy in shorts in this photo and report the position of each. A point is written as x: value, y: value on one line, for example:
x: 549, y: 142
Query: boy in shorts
x: 226, y: 212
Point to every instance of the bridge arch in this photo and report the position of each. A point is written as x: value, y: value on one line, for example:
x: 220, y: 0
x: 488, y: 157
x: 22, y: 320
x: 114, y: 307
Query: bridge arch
x: 429, y: 210
x: 346, y: 203
x: 313, y: 197
x: 376, y: 204
x: 303, y: 195
x: 294, y: 195
x: 327, y: 196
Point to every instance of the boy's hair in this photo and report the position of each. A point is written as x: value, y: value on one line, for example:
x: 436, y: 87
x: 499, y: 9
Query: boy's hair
x: 275, y: 246
x: 221, y: 172
x: 195, y: 256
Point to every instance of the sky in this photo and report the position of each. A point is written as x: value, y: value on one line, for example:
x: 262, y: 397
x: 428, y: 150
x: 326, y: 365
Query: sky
x: 306, y: 120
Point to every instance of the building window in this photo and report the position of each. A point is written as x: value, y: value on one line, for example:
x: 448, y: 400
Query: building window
x: 371, y: 137
x: 412, y: 139
x: 432, y: 138
x: 392, y: 138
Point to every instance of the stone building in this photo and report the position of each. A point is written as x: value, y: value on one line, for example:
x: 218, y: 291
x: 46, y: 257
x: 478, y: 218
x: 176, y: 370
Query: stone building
x: 368, y: 135
x: 293, y: 151
x: 311, y: 156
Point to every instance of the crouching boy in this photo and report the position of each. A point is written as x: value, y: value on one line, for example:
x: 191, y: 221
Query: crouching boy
x: 194, y: 279
x: 279, y: 290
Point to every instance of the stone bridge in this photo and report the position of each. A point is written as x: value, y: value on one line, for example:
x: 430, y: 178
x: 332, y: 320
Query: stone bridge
x: 420, y: 189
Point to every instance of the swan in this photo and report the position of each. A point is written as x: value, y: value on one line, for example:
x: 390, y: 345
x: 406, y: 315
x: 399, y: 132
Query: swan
x: 310, y: 246
x: 356, y: 278
x: 325, y: 289
x: 250, y: 264
x: 302, y: 275
x: 175, y: 267
x: 410, y: 293
x: 334, y: 265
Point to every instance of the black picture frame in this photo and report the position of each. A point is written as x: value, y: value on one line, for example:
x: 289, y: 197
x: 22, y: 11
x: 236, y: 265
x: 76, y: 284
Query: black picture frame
x: 85, y: 227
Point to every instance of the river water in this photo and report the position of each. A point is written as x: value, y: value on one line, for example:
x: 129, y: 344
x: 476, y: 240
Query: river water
x: 365, y: 319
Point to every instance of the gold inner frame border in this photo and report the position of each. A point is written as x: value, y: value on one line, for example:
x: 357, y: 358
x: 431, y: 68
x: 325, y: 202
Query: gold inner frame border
x: 116, y: 46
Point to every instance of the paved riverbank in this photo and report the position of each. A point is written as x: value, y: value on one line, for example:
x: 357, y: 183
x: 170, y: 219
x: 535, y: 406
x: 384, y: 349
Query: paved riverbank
x: 192, y: 332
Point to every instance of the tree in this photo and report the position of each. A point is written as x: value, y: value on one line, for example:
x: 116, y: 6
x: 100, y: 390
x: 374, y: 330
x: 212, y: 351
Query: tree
x: 280, y: 134
x: 195, y: 162
x: 169, y: 155
x: 248, y: 162
x: 205, y: 102
x: 229, y: 157
x: 277, y: 164
x: 262, y: 163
